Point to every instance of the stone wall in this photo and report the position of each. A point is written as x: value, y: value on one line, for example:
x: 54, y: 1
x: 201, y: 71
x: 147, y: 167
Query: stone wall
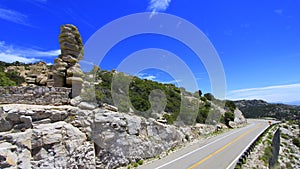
x: 36, y: 95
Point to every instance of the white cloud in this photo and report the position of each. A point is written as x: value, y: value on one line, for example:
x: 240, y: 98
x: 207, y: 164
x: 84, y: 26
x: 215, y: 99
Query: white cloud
x: 157, y: 78
x: 158, y: 5
x: 276, y: 94
x: 146, y: 76
x: 9, y: 53
x: 9, y: 58
x: 13, y: 16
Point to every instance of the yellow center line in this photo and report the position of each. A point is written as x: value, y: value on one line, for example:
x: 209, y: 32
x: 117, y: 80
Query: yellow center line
x: 221, y: 149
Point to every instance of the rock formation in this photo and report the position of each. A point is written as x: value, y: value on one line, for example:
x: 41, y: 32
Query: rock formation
x: 39, y: 136
x: 66, y: 70
x: 35, y: 74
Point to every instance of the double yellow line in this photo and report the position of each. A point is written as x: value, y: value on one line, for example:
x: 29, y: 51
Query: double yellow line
x: 222, y: 148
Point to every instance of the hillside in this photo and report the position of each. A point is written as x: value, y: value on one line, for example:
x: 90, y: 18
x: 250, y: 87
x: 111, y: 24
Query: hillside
x: 260, y: 108
x: 61, y: 117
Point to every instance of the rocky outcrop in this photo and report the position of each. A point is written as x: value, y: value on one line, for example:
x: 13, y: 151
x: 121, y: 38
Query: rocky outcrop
x: 35, y: 74
x: 83, y: 136
x: 36, y: 95
x: 37, y: 136
x: 66, y: 70
x: 121, y: 138
x: 41, y: 137
x: 239, y: 117
x: 53, y: 145
x: 60, y: 145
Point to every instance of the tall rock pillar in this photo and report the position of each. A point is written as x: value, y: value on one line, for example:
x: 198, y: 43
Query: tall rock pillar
x: 66, y: 70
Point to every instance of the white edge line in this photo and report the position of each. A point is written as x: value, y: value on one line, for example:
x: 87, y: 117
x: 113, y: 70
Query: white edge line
x: 238, y: 157
x: 201, y: 147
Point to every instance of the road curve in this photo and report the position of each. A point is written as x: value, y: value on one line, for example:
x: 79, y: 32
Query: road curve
x: 218, y: 152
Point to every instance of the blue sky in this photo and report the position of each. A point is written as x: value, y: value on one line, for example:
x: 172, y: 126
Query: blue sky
x: 257, y: 41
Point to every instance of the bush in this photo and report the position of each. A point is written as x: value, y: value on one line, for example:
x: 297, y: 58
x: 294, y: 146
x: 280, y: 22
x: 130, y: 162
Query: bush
x: 5, y: 81
x: 285, y: 136
x: 169, y: 118
x: 140, y: 162
x: 267, y: 154
x: 14, y: 76
x: 228, y: 116
x: 296, y: 141
x: 230, y: 105
x: 135, y: 164
x: 209, y: 96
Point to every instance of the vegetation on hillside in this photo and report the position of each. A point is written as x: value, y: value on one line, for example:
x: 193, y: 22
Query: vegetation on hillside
x: 143, y: 97
x: 260, y: 109
x: 152, y: 99
x: 10, y: 78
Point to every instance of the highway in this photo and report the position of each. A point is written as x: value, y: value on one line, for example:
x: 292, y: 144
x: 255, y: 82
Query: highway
x: 220, y: 152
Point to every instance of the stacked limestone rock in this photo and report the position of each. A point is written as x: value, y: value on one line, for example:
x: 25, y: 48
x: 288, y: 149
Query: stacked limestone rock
x: 66, y: 70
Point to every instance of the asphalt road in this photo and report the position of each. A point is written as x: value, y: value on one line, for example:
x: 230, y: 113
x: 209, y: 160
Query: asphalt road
x: 218, y: 152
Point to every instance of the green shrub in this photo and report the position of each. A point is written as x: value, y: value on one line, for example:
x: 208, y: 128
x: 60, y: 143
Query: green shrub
x: 6, y: 81
x: 285, y: 126
x: 285, y: 136
x: 267, y: 154
x: 231, y: 105
x: 140, y: 162
x: 209, y: 96
x: 14, y: 76
x: 244, y: 161
x: 169, y: 118
x: 296, y: 141
x: 135, y: 164
x: 228, y: 116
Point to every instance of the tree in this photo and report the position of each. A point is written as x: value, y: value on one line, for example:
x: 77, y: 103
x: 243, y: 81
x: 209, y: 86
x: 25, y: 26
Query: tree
x: 231, y: 105
x: 200, y: 93
x: 209, y: 96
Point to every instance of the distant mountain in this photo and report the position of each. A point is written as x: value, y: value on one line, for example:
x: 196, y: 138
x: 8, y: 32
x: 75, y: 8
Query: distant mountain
x: 260, y: 108
x: 293, y: 103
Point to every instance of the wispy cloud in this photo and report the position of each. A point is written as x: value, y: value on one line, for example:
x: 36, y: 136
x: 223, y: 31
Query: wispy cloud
x: 158, y: 6
x: 172, y: 81
x: 279, y: 93
x: 10, y: 53
x: 278, y: 11
x: 146, y: 76
x: 14, y: 16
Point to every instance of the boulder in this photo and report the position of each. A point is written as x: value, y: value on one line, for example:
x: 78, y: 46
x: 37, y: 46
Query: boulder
x: 74, y: 71
x: 239, y: 117
x: 27, y: 121
x: 75, y: 101
x: 74, y: 80
x: 134, y: 125
x: 69, y: 59
x: 86, y: 106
